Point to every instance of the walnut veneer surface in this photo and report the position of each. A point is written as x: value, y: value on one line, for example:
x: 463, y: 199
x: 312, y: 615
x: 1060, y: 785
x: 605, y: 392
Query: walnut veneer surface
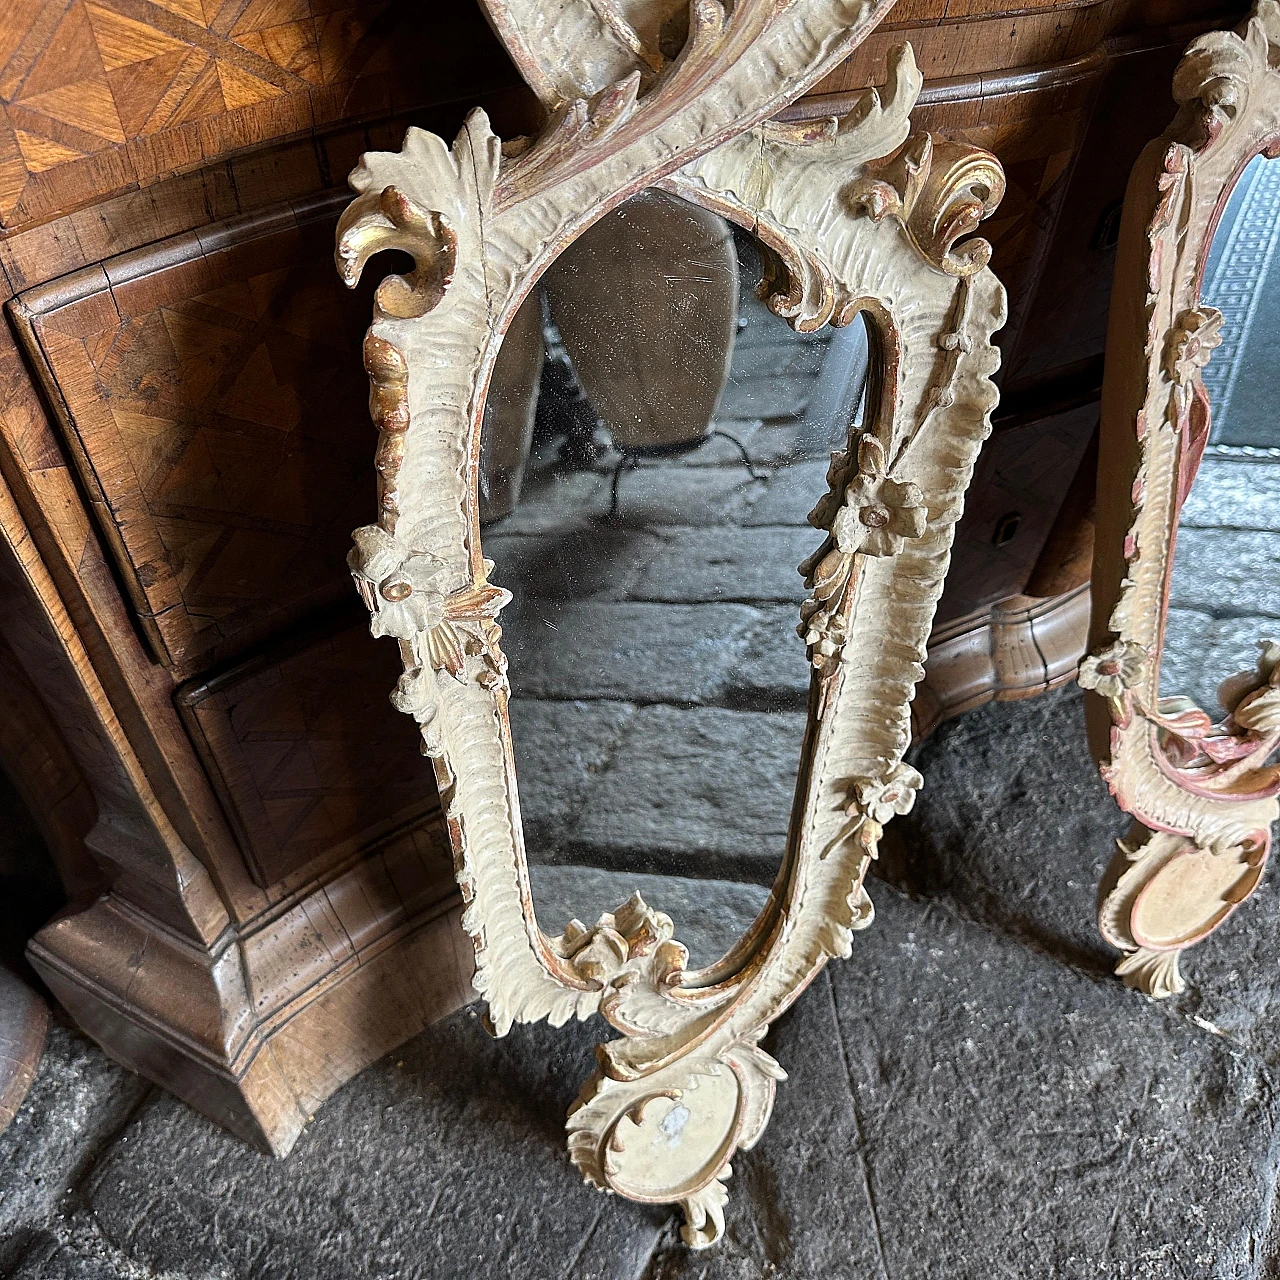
x: 185, y: 447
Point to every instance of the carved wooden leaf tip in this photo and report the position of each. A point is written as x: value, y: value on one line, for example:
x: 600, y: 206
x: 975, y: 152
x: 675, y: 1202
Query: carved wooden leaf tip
x: 940, y: 191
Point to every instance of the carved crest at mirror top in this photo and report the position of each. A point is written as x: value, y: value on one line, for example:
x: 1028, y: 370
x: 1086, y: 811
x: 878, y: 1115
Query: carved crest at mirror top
x: 853, y: 217
x: 1203, y: 791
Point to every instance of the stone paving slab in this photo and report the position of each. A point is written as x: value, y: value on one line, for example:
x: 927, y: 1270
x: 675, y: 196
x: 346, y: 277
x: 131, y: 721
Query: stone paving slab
x: 76, y: 1103
x: 752, y: 565
x: 960, y: 1107
x: 773, y: 672
x: 767, y: 443
x: 1201, y: 651
x: 957, y: 1107
x: 792, y: 493
x: 655, y: 495
x: 971, y: 1096
x: 1013, y: 827
x: 709, y: 915
x: 704, y: 793
x: 554, y: 500
x: 444, y: 1160
x: 771, y: 351
x: 652, y: 494
x: 1234, y: 493
x: 589, y: 560
x: 1227, y: 571
x: 559, y: 746
x: 636, y: 652
x: 1232, y: 978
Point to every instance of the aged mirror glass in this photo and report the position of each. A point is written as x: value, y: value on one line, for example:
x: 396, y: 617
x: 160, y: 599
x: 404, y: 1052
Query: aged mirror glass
x: 1223, y: 594
x: 653, y: 443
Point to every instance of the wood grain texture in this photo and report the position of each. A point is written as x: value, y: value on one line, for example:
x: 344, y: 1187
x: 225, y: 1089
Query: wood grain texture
x: 208, y: 406
x: 24, y: 1021
x: 203, y: 1016
x: 51, y: 785
x: 1066, y: 560
x: 258, y: 1056
x: 100, y: 96
x: 302, y: 748
x: 188, y: 970
x: 62, y: 592
x: 1018, y: 648
x: 1022, y: 480
x: 132, y: 837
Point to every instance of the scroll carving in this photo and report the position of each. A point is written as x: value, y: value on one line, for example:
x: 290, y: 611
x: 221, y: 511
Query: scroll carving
x: 688, y: 1067
x: 1203, y: 794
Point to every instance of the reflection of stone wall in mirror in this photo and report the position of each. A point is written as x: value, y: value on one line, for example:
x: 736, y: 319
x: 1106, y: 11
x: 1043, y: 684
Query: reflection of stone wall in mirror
x: 658, y: 684
x: 1225, y: 588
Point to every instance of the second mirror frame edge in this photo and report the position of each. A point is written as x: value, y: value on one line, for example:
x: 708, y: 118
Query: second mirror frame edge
x: 1202, y: 795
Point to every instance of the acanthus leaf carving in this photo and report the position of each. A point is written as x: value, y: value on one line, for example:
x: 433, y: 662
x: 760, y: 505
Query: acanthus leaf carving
x: 688, y: 1068
x: 1217, y: 76
x: 940, y: 192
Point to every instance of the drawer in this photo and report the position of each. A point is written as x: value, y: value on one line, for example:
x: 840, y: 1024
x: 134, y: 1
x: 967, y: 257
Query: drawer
x: 1022, y: 478
x: 306, y: 753
x: 211, y: 392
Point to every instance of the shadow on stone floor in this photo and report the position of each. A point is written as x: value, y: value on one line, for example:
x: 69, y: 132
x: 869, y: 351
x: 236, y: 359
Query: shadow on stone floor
x: 1014, y: 827
x: 970, y: 1096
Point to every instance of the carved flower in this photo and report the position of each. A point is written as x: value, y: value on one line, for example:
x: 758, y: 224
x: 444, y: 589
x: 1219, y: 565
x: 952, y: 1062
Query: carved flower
x: 881, y: 798
x: 879, y: 513
x: 399, y: 584
x: 632, y: 950
x: 1114, y: 670
x: 1190, y: 343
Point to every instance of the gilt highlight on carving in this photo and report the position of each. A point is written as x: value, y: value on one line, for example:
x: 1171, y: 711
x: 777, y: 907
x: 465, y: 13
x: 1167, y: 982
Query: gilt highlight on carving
x: 630, y: 109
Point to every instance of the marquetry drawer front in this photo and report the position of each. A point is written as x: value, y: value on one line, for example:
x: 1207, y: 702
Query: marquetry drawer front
x: 306, y: 753
x: 211, y: 391
x: 100, y: 97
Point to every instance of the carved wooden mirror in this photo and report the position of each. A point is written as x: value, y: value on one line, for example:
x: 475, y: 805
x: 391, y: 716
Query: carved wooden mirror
x: 659, y: 150
x: 1185, y: 582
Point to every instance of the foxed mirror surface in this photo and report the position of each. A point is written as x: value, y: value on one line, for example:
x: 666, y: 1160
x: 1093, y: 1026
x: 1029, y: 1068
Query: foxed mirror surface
x: 653, y: 442
x: 1224, y: 592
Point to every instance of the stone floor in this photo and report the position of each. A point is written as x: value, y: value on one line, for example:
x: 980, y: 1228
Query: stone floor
x: 971, y: 1095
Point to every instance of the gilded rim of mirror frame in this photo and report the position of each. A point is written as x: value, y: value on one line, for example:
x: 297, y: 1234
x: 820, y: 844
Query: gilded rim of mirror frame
x: 1202, y: 794
x: 854, y: 216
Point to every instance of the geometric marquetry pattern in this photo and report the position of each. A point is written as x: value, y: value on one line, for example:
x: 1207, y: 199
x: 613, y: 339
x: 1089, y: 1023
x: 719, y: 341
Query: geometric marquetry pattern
x: 216, y: 404
x: 307, y: 753
x: 99, y: 95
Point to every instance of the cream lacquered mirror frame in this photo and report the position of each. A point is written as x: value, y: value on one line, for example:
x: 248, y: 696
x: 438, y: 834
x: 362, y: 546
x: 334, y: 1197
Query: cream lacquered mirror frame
x: 1202, y: 794
x: 852, y: 216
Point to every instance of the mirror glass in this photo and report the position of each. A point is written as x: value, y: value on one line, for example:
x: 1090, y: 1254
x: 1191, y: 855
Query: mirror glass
x: 1225, y: 591
x: 653, y: 442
